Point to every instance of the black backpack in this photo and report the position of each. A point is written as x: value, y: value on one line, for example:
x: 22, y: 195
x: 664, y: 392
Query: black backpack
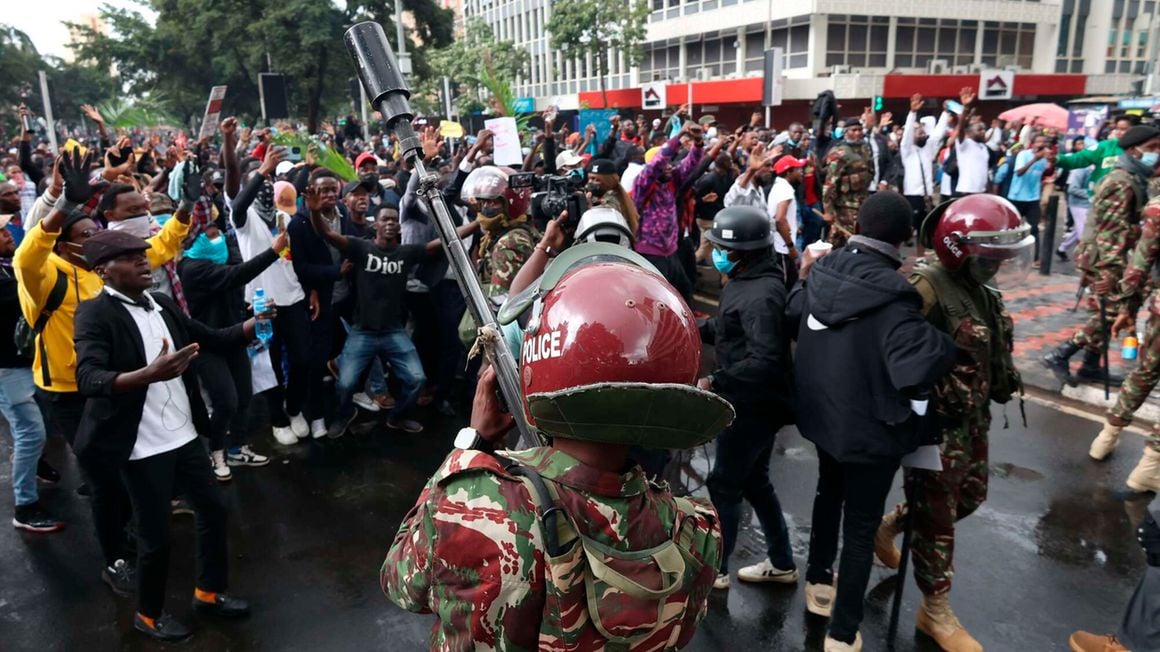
x: 27, y: 338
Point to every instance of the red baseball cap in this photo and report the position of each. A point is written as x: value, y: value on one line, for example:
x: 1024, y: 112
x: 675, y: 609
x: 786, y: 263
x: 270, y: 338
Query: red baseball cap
x: 365, y: 156
x: 787, y: 162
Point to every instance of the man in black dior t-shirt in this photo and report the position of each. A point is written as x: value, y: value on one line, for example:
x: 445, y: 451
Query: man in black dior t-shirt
x: 381, y: 267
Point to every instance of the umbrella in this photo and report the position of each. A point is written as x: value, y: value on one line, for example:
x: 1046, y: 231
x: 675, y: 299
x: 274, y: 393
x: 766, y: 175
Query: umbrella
x: 1049, y: 115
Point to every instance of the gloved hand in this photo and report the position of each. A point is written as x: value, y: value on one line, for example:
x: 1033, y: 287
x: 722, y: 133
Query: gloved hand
x: 1148, y: 534
x: 191, y: 186
x: 74, y: 172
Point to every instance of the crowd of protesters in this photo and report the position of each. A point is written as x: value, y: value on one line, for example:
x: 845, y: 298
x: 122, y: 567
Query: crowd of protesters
x: 143, y: 274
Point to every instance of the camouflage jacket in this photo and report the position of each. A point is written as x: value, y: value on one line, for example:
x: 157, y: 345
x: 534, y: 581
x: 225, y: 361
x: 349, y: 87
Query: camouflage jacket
x: 984, y: 334
x: 1144, y: 255
x: 1112, y: 227
x: 848, y: 176
x: 471, y: 552
x: 502, y: 261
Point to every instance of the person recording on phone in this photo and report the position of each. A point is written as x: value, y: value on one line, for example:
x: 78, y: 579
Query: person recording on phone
x: 142, y: 416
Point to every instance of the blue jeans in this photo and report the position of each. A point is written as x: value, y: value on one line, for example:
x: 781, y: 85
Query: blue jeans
x: 811, y: 226
x: 391, y: 347
x: 376, y: 384
x: 27, y: 426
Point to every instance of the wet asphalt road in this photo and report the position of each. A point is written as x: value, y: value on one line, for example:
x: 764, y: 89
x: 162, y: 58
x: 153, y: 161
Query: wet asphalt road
x: 1051, y: 550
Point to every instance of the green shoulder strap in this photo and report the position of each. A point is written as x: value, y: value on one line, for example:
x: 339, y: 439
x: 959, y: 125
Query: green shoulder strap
x: 954, y: 301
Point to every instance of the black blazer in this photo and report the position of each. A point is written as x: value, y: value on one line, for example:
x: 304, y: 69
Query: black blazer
x: 108, y: 343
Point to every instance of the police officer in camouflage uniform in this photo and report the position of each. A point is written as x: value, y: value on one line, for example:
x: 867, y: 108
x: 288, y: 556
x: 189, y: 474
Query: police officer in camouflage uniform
x: 569, y: 546
x: 1113, y: 227
x: 981, y: 242
x: 1129, y: 295
x: 849, y: 173
x: 508, y: 236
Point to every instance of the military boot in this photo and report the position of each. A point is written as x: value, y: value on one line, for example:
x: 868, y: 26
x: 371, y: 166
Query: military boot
x: 884, y: 547
x: 936, y: 620
x: 1092, y: 370
x: 1146, y: 475
x: 1057, y: 361
x: 1105, y: 442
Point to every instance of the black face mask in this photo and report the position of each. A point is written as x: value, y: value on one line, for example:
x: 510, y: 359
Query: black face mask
x: 921, y: 141
x: 596, y: 190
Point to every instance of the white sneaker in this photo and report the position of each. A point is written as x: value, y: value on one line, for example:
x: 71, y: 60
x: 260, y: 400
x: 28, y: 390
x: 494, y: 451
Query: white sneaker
x: 318, y: 428
x: 299, y: 426
x: 221, y: 470
x: 820, y: 599
x: 285, y: 435
x: 765, y: 572
x: 721, y: 583
x: 365, y: 402
x: 246, y: 457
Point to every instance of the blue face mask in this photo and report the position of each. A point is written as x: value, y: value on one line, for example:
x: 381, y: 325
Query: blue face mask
x: 578, y: 173
x: 214, y: 250
x: 1150, y: 158
x: 722, y: 263
x: 838, y: 131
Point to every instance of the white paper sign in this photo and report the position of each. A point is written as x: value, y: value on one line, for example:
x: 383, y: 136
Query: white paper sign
x: 630, y: 175
x: 996, y: 84
x: 213, y: 112
x: 507, y: 141
x: 652, y: 96
x: 261, y: 371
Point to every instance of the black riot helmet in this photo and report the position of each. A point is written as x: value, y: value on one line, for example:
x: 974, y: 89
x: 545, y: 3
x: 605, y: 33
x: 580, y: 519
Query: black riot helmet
x: 741, y: 228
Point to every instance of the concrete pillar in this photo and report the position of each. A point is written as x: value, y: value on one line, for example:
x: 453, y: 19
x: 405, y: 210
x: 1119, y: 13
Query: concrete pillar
x: 683, y: 61
x: 741, y: 55
x: 891, y: 42
x: 816, y: 60
x: 1046, y: 42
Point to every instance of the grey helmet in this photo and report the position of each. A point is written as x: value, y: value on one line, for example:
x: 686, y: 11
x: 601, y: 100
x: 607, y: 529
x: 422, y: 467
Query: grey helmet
x: 603, y: 224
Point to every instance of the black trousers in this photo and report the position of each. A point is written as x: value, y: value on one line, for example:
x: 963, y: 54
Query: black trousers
x: 290, y: 355
x: 151, y: 482
x: 857, y: 491
x: 449, y: 307
x: 425, y: 333
x: 227, y: 380
x: 109, y: 501
x: 917, y: 210
x: 1031, y: 212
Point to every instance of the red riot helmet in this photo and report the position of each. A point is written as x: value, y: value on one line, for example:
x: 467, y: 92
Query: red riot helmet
x: 490, y: 182
x: 983, y: 235
x: 611, y: 354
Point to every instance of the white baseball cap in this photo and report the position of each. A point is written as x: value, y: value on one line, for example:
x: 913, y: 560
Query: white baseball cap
x: 283, y: 168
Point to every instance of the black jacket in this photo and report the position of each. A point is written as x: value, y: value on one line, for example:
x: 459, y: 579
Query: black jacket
x: 310, y: 253
x: 752, y: 365
x: 864, y: 351
x: 108, y: 343
x: 215, y: 292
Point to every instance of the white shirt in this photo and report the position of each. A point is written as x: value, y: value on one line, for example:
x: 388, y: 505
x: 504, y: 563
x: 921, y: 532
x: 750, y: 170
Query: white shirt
x: 167, y: 418
x: 918, y: 162
x: 278, y: 280
x: 782, y: 191
x: 974, y: 159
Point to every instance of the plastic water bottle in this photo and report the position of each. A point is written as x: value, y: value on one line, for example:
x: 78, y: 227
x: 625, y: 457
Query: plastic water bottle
x: 262, y: 326
x: 1130, y: 348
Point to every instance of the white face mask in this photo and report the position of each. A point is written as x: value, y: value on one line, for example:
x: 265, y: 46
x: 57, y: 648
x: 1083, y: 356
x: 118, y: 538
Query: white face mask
x: 215, y: 240
x: 712, y: 133
x: 142, y: 226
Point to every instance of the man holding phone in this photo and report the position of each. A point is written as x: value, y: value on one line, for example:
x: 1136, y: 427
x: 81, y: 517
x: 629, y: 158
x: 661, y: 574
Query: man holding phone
x: 1027, y: 183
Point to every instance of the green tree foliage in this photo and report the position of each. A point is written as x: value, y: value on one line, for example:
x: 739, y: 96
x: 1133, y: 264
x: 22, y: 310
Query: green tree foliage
x: 70, y: 84
x: 593, y: 28
x: 196, y: 44
x: 474, y: 62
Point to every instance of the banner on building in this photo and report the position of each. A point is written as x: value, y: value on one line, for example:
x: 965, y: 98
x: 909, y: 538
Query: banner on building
x: 773, y: 85
x: 652, y: 96
x: 213, y: 112
x: 996, y: 84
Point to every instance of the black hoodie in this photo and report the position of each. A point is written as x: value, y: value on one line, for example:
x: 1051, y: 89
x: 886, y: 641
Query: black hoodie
x: 864, y: 351
x: 752, y: 362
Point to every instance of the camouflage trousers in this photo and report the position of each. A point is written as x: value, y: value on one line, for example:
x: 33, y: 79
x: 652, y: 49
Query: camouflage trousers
x: 1091, y: 336
x: 945, y: 497
x: 1139, y: 384
x: 845, y: 225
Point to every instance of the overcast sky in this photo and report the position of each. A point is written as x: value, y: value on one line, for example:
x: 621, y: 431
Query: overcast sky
x: 42, y: 19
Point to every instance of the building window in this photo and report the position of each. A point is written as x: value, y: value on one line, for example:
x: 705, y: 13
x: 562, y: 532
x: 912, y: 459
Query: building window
x: 1008, y: 44
x: 919, y: 41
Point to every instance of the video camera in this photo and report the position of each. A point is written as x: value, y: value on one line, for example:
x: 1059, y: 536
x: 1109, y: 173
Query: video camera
x: 552, y: 195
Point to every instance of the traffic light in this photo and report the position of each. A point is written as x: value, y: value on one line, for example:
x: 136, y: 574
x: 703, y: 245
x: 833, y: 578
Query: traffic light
x: 879, y: 103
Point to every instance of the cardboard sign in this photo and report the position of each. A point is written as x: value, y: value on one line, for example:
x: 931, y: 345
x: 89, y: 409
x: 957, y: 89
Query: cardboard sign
x: 213, y: 112
x: 996, y: 84
x: 652, y: 96
x: 507, y: 141
x: 449, y: 129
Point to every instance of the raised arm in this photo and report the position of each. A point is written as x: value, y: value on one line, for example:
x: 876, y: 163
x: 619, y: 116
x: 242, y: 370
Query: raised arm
x: 229, y: 156
x: 249, y: 193
x: 314, y: 208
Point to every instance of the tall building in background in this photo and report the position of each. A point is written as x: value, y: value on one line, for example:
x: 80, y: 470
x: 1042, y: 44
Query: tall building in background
x: 712, y: 50
x: 90, y: 20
